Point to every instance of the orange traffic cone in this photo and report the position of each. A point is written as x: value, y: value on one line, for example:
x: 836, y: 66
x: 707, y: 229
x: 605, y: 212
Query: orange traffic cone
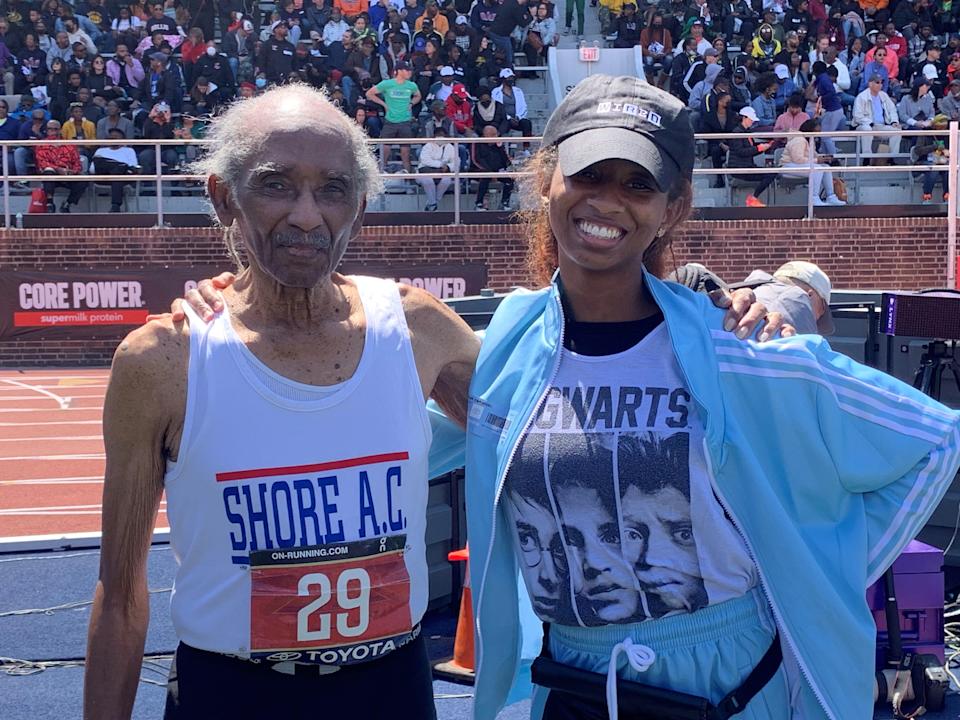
x: 463, y: 664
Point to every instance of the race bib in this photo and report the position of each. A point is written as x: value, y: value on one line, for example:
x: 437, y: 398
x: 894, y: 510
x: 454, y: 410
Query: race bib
x: 336, y: 604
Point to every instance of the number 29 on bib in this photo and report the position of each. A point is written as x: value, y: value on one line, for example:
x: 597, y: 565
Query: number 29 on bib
x: 332, y: 604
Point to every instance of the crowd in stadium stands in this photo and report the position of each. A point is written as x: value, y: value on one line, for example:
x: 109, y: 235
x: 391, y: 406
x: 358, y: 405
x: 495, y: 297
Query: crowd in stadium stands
x: 441, y: 69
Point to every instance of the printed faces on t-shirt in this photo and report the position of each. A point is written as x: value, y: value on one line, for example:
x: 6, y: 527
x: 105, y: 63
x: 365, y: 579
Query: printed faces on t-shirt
x: 614, y: 516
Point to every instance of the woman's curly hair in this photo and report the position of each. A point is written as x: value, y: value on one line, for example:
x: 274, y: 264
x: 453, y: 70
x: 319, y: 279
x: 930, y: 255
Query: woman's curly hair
x: 542, y: 258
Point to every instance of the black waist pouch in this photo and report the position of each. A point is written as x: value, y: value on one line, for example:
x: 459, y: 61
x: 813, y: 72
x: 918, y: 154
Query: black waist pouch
x: 582, y: 695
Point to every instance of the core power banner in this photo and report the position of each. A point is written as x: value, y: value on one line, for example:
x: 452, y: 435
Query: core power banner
x: 82, y: 303
x: 88, y: 304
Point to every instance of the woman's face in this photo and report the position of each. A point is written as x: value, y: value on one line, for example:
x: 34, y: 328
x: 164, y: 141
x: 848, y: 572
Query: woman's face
x: 719, y: 45
x: 430, y: 48
x: 99, y: 63
x: 880, y: 54
x: 606, y: 216
x: 857, y: 46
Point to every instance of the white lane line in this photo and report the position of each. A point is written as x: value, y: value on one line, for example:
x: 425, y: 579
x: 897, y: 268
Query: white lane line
x: 32, y: 376
x: 58, y: 385
x: 61, y: 509
x: 79, y: 456
x: 75, y: 480
x: 50, y: 422
x: 33, y: 410
x: 64, y: 402
x: 53, y: 438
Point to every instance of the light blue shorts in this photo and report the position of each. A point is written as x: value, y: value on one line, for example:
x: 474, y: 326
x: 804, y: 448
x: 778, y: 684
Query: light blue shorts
x: 708, y: 653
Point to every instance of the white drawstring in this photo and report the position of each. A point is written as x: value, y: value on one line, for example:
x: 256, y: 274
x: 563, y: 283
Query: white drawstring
x: 640, y: 657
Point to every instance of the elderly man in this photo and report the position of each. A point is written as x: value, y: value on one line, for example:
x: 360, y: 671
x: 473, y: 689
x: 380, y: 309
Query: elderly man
x: 874, y: 110
x: 322, y: 452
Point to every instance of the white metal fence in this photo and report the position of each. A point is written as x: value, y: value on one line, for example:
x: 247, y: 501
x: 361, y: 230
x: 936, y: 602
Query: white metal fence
x: 158, y: 178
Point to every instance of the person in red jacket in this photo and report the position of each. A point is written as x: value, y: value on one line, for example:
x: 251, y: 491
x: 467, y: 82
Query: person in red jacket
x: 59, y: 160
x: 460, y: 111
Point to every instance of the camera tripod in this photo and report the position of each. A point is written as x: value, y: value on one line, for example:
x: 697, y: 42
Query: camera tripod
x: 939, y: 356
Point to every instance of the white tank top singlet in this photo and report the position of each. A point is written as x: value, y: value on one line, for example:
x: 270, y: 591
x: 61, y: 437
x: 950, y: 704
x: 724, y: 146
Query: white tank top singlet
x: 298, y: 513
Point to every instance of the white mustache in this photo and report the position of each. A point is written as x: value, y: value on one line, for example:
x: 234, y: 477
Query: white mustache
x: 314, y: 239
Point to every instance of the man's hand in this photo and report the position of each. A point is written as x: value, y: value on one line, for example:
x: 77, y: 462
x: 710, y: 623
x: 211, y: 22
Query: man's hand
x: 745, y: 314
x: 206, y: 299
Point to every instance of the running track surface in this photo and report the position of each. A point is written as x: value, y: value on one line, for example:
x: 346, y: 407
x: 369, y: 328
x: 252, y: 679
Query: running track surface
x: 51, y: 452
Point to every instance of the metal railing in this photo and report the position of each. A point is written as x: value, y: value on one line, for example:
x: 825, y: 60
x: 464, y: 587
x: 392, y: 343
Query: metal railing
x: 158, y: 177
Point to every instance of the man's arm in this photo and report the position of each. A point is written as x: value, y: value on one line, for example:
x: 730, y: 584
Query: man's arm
x: 373, y: 95
x: 445, y: 350
x: 150, y: 363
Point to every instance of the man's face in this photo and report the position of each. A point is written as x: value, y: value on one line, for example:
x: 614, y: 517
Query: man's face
x: 600, y: 577
x: 121, y: 52
x: 113, y: 109
x: 75, y: 79
x: 446, y: 80
x: 335, y: 15
x: 766, y: 34
x: 403, y: 75
x: 83, y: 95
x: 881, y: 40
x: 296, y: 203
x: 541, y: 548
x: 63, y: 41
x: 37, y: 116
x: 875, y: 86
x: 79, y: 51
x: 30, y: 41
x: 70, y: 25
x: 658, y: 534
x: 157, y: 11
x: 710, y: 59
x: 53, y: 129
x: 280, y: 31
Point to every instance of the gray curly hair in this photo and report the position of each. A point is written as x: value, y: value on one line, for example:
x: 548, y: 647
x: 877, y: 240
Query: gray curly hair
x: 239, y: 133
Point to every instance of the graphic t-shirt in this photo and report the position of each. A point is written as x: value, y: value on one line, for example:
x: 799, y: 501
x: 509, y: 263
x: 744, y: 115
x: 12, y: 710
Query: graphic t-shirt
x: 397, y: 96
x: 609, y: 499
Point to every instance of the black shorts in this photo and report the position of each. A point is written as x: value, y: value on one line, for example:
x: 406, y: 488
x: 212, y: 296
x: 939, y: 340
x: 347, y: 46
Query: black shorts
x: 205, y: 685
x: 398, y: 130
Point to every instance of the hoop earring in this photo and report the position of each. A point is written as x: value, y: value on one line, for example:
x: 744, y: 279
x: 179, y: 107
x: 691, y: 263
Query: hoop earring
x: 661, y: 232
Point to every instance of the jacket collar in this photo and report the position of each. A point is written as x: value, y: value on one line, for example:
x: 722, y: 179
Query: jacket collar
x: 687, y: 325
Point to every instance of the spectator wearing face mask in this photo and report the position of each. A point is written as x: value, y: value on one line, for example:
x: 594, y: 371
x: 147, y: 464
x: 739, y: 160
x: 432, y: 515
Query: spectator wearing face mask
x: 215, y: 66
x: 657, y: 44
x: 628, y: 29
x: 514, y: 104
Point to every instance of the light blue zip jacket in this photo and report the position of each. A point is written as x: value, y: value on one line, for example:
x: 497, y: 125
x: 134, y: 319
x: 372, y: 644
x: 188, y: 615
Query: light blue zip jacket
x: 826, y: 467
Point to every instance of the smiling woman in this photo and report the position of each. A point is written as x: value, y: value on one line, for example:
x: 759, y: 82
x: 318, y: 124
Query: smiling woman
x: 660, y: 488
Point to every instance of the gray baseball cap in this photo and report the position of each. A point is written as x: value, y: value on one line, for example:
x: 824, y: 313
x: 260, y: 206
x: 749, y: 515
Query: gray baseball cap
x: 622, y: 117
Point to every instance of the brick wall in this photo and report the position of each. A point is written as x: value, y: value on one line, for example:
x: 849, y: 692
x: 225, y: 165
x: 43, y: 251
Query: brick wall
x: 857, y: 253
